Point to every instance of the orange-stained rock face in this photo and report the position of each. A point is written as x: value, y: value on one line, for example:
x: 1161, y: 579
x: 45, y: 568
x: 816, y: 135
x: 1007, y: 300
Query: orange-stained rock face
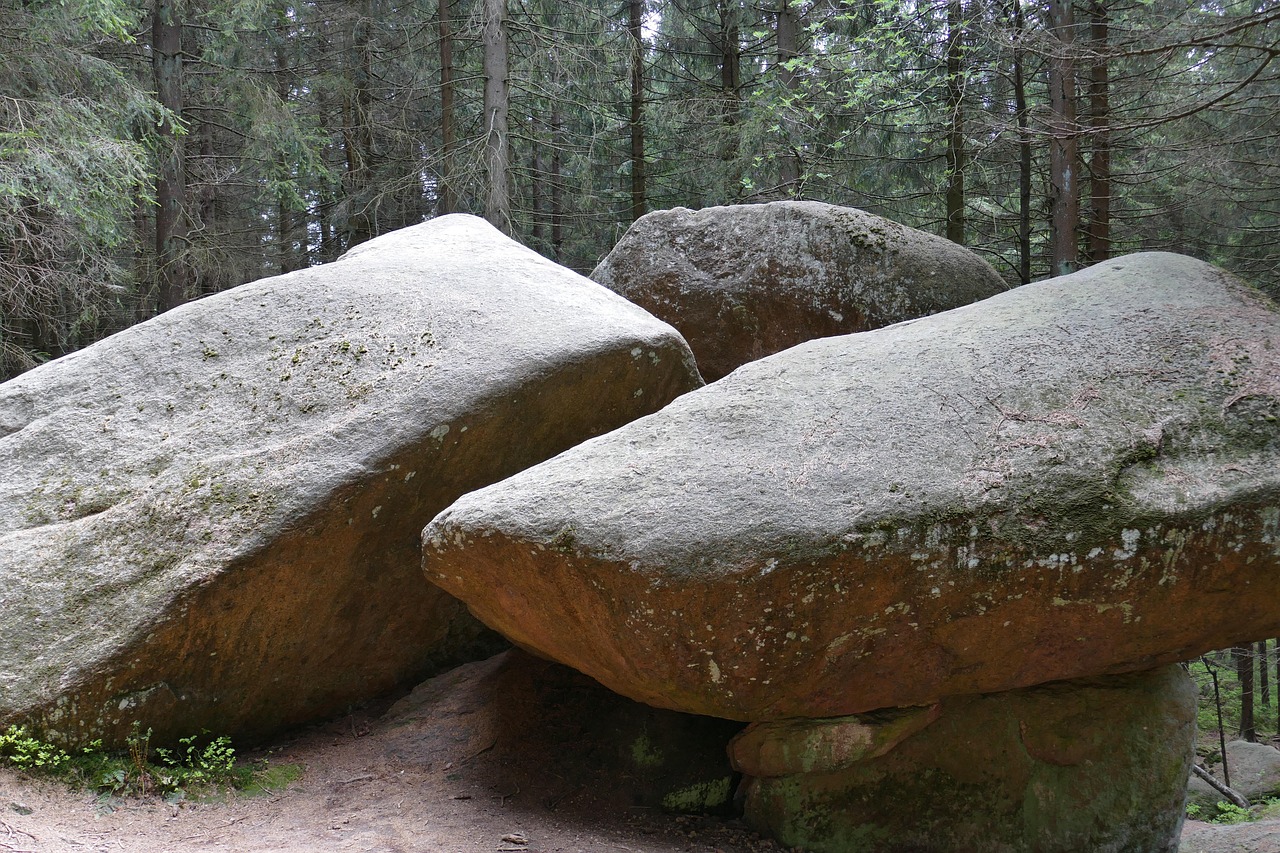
x: 1075, y: 478
x: 212, y: 520
x: 750, y: 280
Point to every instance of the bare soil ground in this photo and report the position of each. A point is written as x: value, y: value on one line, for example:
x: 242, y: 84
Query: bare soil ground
x: 505, y: 755
x: 501, y: 756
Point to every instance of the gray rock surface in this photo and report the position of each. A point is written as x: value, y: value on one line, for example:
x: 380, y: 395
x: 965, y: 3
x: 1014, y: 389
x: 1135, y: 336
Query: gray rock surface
x: 749, y: 280
x: 1073, y: 478
x: 1255, y: 769
x: 211, y: 520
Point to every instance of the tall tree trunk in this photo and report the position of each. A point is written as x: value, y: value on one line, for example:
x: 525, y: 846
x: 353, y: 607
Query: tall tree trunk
x: 210, y: 280
x: 497, y: 207
x: 325, y: 202
x: 730, y: 51
x: 538, y: 185
x: 1024, y: 144
x: 286, y: 216
x: 788, y: 51
x: 955, y: 130
x: 171, y: 229
x: 446, y: 200
x: 557, y: 183
x: 635, y: 18
x: 1244, y: 673
x: 1100, y: 142
x: 357, y: 131
x: 1264, y: 673
x: 1064, y: 145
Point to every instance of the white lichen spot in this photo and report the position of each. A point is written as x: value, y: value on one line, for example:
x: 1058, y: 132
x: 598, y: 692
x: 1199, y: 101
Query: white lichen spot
x: 769, y: 566
x: 377, y: 509
x: 1094, y: 554
x: 639, y: 392
x: 636, y: 352
x: 410, y: 476
x: 440, y: 432
x: 714, y: 669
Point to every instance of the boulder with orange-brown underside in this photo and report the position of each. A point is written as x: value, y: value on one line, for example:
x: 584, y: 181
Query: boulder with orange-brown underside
x: 1075, y: 478
x: 748, y: 280
x: 211, y: 520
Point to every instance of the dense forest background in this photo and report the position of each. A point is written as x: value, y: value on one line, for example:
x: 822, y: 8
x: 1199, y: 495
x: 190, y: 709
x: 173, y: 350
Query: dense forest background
x: 156, y: 151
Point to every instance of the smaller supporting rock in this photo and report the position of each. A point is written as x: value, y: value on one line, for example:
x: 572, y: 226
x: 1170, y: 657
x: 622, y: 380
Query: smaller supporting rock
x: 1093, y: 764
x: 788, y: 747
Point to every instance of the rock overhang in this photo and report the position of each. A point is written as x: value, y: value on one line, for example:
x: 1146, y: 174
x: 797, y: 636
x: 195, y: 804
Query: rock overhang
x: 1072, y: 479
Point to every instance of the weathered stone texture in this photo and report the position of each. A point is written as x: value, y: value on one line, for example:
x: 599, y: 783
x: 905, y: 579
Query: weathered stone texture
x: 1097, y: 765
x: 1074, y: 478
x: 749, y: 280
x: 211, y: 520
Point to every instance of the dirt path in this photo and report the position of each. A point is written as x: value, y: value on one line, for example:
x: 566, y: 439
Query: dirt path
x: 498, y: 756
x: 494, y: 757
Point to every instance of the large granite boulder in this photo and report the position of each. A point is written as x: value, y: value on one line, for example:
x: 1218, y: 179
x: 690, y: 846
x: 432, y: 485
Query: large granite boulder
x: 747, y: 281
x: 1078, y: 477
x: 211, y: 520
x: 1087, y: 765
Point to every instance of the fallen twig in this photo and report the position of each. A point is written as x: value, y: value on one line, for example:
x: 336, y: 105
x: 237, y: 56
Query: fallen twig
x: 1230, y: 793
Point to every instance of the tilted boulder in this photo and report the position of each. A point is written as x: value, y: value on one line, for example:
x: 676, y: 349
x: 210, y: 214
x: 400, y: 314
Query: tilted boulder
x: 212, y: 519
x: 749, y: 280
x: 1074, y: 478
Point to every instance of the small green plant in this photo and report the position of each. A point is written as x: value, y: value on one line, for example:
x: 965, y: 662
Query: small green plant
x: 25, y: 752
x: 1231, y: 813
x: 199, y: 765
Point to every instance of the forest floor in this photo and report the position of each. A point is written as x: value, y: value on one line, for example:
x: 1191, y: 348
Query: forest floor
x: 474, y: 761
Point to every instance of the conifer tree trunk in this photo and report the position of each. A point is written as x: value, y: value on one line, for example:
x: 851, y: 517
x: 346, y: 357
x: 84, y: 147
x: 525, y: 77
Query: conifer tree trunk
x: 1064, y: 146
x: 730, y: 50
x: 1024, y: 145
x: 557, y: 183
x: 497, y: 208
x: 635, y: 18
x: 171, y: 231
x: 357, y: 131
x: 446, y: 201
x: 1264, y: 687
x: 788, y: 51
x: 1244, y: 673
x: 955, y: 130
x: 1100, y: 137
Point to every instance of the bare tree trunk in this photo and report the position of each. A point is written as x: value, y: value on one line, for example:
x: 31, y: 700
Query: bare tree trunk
x: 446, y: 201
x: 1264, y: 672
x: 1244, y: 672
x: 730, y: 51
x: 1100, y: 143
x: 538, y: 185
x: 286, y: 216
x: 557, y: 184
x: 788, y: 51
x: 209, y: 281
x: 171, y: 230
x: 1024, y: 145
x: 497, y: 208
x: 357, y: 132
x: 955, y: 130
x: 635, y: 18
x: 1064, y: 146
